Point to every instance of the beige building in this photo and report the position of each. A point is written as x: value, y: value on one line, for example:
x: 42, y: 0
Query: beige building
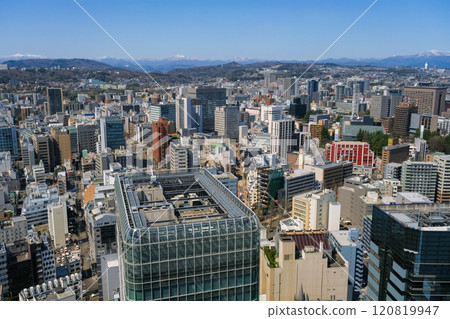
x: 428, y: 99
x: 313, y: 208
x: 316, y: 274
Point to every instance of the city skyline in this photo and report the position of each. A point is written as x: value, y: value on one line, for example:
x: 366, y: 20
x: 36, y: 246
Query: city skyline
x: 203, y: 30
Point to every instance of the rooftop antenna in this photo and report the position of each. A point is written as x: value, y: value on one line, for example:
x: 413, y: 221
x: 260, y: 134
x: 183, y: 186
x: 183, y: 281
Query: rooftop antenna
x: 355, y: 103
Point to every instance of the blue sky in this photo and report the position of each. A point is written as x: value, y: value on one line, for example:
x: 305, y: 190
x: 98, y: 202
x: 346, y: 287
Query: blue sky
x: 277, y: 29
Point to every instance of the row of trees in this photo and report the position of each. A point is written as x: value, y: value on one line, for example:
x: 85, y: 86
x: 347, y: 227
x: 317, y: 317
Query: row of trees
x: 436, y: 142
x: 376, y: 140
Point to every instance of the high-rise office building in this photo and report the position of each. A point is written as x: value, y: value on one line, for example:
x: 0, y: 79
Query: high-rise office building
x: 210, y: 97
x: 62, y: 145
x: 289, y: 88
x: 111, y: 130
x: 227, y: 121
x: 443, y: 178
x: 427, y: 99
x: 420, y: 177
x: 87, y: 137
x: 380, y: 106
x: 270, y: 76
x: 8, y: 138
x: 167, y: 110
x: 409, y: 255
x: 403, y: 113
x: 44, y: 148
x: 185, y: 236
x: 160, y: 134
x: 54, y: 100
x: 188, y: 115
x: 339, y: 92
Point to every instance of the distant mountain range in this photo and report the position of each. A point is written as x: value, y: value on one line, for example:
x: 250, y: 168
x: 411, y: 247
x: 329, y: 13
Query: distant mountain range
x: 62, y: 63
x: 432, y: 57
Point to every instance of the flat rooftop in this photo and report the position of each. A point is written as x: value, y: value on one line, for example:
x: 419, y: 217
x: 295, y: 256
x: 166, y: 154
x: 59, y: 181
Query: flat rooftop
x: 425, y: 217
x: 176, y: 197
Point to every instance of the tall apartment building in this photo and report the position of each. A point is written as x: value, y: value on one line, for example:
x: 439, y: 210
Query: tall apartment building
x: 54, y: 100
x: 282, y: 132
x: 87, y: 137
x: 210, y: 97
x: 428, y: 99
x: 359, y: 153
x: 8, y: 138
x: 408, y: 255
x: 227, y: 121
x: 303, y: 267
x: 420, y: 177
x: 45, y: 151
x: 394, y: 154
x: 111, y: 131
x: 179, y: 220
x: 443, y: 178
x: 313, y: 209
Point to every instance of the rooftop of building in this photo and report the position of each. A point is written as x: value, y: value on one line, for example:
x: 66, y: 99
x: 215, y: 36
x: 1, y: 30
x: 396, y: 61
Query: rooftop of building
x: 394, y: 147
x: 177, y: 197
x: 425, y: 217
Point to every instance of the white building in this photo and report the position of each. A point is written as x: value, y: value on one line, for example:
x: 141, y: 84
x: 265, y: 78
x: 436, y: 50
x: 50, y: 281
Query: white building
x: 67, y: 288
x: 348, y: 244
x: 35, y: 206
x: 57, y: 222
x: 282, y: 136
x: 13, y: 229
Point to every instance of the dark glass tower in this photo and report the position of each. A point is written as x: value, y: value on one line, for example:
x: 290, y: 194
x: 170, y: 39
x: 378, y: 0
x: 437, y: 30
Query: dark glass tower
x: 54, y: 100
x: 409, y: 253
x: 185, y: 236
x: 111, y: 130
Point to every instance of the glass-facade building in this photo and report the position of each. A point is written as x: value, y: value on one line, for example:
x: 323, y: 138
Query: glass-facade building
x: 8, y: 138
x: 409, y: 254
x: 185, y: 236
x: 111, y: 130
